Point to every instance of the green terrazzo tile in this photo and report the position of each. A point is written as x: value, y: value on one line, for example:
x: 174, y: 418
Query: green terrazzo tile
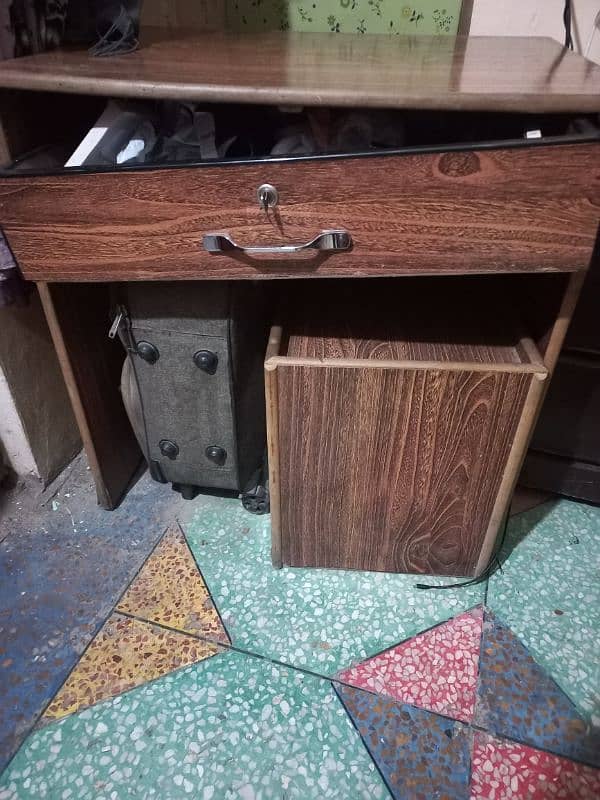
x: 322, y: 620
x: 230, y: 727
x: 548, y: 593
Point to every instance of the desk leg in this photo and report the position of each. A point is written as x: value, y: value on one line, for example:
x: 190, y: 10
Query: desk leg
x: 78, y: 317
x: 556, y: 336
x: 551, y: 347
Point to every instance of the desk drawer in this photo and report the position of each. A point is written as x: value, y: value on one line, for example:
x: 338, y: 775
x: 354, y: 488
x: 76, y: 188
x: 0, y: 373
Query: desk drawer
x: 530, y: 208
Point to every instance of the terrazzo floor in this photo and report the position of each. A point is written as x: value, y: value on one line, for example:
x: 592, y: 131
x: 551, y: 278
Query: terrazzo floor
x: 154, y: 653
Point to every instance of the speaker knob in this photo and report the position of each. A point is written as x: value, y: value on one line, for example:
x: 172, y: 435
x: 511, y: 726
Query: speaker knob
x: 207, y: 361
x: 216, y: 454
x: 148, y: 352
x: 168, y: 448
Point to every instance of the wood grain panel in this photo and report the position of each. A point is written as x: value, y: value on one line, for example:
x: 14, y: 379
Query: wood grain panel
x: 451, y: 319
x: 530, y: 209
x: 392, y: 469
x: 91, y: 366
x: 401, y: 349
x: 437, y: 72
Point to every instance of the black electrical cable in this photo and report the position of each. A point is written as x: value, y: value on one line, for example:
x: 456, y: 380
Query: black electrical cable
x: 494, y: 563
x: 567, y: 15
x: 120, y: 38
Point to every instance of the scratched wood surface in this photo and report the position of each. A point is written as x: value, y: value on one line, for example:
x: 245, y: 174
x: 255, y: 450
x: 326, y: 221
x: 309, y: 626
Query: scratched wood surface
x: 531, y: 74
x: 392, y: 469
x: 513, y: 210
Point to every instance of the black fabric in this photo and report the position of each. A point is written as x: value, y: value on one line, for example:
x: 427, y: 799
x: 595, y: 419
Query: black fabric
x: 109, y: 27
x: 37, y: 25
x: 7, y: 34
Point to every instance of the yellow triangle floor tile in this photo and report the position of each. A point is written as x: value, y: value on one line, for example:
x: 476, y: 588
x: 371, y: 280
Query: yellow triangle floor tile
x: 169, y: 590
x: 125, y: 653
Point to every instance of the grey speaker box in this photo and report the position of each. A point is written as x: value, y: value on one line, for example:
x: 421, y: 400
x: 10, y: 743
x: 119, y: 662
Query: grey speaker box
x: 192, y: 381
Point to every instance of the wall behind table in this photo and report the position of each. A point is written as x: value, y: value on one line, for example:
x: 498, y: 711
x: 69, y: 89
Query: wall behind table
x: 190, y: 14
x: 539, y: 18
x: 346, y: 16
x: 37, y: 426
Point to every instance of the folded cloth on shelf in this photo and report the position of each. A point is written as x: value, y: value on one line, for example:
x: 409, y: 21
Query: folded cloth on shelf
x: 137, y: 133
x: 193, y: 135
x: 122, y: 134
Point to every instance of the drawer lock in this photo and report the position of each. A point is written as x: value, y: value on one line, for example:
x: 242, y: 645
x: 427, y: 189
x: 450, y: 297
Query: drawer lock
x: 267, y: 196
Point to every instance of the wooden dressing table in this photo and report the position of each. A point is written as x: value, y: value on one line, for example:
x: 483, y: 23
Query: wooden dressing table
x: 520, y: 213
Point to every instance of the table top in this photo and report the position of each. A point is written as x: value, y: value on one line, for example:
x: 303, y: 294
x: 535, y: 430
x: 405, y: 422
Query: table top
x: 527, y: 74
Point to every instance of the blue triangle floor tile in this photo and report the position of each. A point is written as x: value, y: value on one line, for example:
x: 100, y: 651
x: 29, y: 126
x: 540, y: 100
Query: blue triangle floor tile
x: 519, y: 700
x: 420, y: 754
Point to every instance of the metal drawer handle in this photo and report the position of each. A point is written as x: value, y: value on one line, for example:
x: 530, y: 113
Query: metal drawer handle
x: 329, y: 241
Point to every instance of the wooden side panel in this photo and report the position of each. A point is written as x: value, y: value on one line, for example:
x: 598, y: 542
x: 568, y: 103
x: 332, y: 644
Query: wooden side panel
x: 30, y: 366
x: 5, y: 156
x: 91, y: 364
x: 392, y: 469
x: 534, y: 209
x: 272, y: 413
x: 511, y: 471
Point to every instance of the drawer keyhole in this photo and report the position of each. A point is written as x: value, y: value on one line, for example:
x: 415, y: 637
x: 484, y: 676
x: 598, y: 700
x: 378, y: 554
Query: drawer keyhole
x: 268, y: 196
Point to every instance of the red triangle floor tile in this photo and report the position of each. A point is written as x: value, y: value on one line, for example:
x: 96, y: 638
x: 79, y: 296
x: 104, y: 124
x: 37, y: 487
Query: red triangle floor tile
x: 503, y: 770
x: 436, y: 670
